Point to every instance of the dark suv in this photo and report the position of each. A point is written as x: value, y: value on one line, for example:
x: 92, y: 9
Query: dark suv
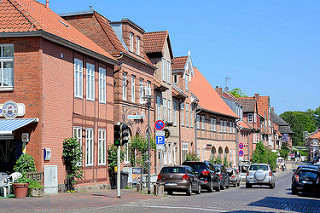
x: 224, y: 177
x: 209, y: 179
x: 306, y: 180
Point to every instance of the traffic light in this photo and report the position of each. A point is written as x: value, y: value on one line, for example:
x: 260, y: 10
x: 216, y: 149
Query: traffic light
x: 117, y: 135
x: 124, y: 134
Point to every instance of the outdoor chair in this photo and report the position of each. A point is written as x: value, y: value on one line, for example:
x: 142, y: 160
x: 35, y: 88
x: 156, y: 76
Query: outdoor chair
x: 4, y: 184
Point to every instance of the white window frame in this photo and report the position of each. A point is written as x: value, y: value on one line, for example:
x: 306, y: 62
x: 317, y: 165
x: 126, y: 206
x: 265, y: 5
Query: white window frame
x: 175, y: 79
x: 168, y: 72
x: 133, y: 88
x: 164, y: 110
x: 187, y: 115
x: 250, y: 117
x: 124, y: 86
x: 89, y: 146
x: 163, y: 69
x: 169, y: 110
x: 221, y: 125
x: 184, y: 151
x: 142, y: 88
x: 77, y: 134
x: 198, y: 121
x: 225, y: 126
x: 174, y: 106
x: 203, y: 122
x: 182, y: 113
x: 4, y: 73
x: 102, y: 85
x: 191, y: 115
x: 90, y: 82
x: 102, y: 147
x: 138, y: 45
x: 214, y: 124
x: 230, y: 127
x: 211, y: 124
x: 233, y: 127
x: 131, y: 42
x: 78, y: 78
x: 158, y: 107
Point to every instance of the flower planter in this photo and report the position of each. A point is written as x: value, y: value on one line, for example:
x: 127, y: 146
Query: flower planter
x: 20, y: 189
x: 38, y: 192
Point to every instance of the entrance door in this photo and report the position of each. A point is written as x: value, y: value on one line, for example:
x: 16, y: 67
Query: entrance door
x: 10, y: 151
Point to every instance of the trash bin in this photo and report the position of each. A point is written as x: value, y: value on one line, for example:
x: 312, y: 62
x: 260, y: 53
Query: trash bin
x: 123, y: 180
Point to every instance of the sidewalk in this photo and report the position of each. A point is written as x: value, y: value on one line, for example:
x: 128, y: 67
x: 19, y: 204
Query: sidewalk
x: 73, y: 202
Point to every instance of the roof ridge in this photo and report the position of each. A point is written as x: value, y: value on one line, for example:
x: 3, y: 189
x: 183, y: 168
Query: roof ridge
x: 25, y: 14
x: 157, y: 31
x: 181, y: 56
x: 164, y: 40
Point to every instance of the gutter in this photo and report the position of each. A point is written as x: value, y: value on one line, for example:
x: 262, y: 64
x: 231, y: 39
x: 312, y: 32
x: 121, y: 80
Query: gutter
x: 140, y: 61
x: 205, y: 110
x: 63, y: 42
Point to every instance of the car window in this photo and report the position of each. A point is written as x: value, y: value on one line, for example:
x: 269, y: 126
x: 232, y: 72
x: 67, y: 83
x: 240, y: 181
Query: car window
x: 198, y: 167
x: 259, y: 167
x: 212, y: 167
x: 173, y: 170
x: 230, y: 171
x: 307, y: 174
x: 244, y: 169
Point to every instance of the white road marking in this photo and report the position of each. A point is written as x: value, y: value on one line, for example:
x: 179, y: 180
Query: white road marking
x: 176, y: 207
x: 94, y: 208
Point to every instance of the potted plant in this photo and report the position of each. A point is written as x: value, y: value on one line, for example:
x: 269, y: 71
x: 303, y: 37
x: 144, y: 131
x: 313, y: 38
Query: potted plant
x: 35, y: 189
x: 24, y: 164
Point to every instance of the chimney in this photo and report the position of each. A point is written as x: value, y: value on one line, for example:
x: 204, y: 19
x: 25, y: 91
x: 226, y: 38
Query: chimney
x: 218, y: 90
x: 47, y: 3
x: 256, y: 96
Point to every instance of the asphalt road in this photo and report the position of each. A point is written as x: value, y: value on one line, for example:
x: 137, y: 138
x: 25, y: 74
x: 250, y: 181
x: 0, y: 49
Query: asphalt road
x: 239, y: 199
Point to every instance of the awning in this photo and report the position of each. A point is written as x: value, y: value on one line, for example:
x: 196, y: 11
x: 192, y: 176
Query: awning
x: 7, y: 126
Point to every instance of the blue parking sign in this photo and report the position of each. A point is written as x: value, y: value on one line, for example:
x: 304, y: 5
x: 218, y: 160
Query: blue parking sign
x: 160, y: 140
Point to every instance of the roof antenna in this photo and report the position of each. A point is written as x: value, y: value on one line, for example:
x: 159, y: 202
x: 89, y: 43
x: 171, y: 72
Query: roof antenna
x: 226, y: 79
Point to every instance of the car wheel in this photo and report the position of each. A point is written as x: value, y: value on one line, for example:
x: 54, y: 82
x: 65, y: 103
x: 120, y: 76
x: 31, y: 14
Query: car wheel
x: 199, y: 189
x: 272, y: 185
x: 170, y: 192
x: 238, y: 183
x: 294, y: 191
x: 189, y: 191
x: 210, y: 189
x: 227, y: 186
x: 222, y: 186
x: 248, y: 185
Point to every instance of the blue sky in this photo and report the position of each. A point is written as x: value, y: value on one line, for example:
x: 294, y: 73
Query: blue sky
x: 270, y: 47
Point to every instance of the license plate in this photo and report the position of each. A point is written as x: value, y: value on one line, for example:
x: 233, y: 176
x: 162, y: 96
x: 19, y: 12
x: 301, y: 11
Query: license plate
x: 307, y: 182
x: 171, y: 184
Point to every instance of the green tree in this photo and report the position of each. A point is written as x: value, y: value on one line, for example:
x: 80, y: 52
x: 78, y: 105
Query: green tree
x: 263, y: 155
x: 237, y: 92
x: 191, y: 156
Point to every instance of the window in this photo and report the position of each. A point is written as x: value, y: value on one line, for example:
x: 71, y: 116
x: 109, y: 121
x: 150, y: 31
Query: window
x: 191, y: 115
x: 250, y: 117
x: 89, y: 147
x: 6, y: 66
x: 168, y: 72
x: 203, y: 120
x: 198, y: 121
x: 175, y: 79
x: 131, y: 42
x: 138, y: 45
x: 187, y: 115
x: 182, y: 113
x: 133, y: 88
x: 184, y: 151
x: 148, y: 92
x: 174, y: 113
x: 221, y: 125
x: 187, y: 82
x: 212, y: 124
x: 77, y: 134
x: 142, y: 91
x: 124, y: 86
x: 163, y: 69
x: 102, y: 85
x: 169, y: 110
x: 78, y: 78
x: 230, y: 127
x: 90, y: 82
x: 102, y: 147
x: 233, y: 128
x: 164, y: 111
x: 203, y: 155
x: 255, y: 118
x: 225, y: 126
x: 158, y: 107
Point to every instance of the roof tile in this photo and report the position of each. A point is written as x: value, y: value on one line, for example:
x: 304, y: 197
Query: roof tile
x: 154, y: 41
x: 179, y: 62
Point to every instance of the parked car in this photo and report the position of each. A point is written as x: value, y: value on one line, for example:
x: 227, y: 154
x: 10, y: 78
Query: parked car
x: 224, y: 177
x: 260, y: 174
x: 234, y: 176
x: 179, y: 178
x: 243, y: 168
x: 306, y: 180
x: 209, y: 179
x: 304, y: 167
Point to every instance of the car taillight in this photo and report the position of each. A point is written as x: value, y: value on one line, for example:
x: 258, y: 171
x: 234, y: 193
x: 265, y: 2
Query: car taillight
x: 220, y: 176
x: 270, y: 173
x: 297, y: 178
x: 318, y: 181
x: 233, y: 176
x: 205, y: 172
x: 247, y: 173
x: 159, y: 177
x: 185, y: 177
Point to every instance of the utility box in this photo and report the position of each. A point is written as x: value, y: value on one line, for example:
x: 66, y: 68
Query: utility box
x: 51, y: 179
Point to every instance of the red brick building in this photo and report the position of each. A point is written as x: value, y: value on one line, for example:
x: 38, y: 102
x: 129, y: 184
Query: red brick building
x: 65, y: 83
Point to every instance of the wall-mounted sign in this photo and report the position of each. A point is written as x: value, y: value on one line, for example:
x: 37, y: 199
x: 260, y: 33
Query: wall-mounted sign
x: 134, y: 117
x: 11, y: 109
x: 25, y: 137
x: 47, y: 154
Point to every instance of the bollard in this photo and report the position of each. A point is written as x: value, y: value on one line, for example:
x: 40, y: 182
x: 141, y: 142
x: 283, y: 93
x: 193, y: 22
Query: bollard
x: 139, y: 188
x: 158, y: 189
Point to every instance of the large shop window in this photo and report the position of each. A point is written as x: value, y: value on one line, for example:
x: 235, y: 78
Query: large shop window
x: 102, y: 147
x: 6, y: 67
x: 102, y: 85
x: 78, y: 78
x: 184, y: 151
x: 90, y: 82
x: 89, y: 147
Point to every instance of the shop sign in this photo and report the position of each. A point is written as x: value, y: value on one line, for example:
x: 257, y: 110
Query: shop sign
x: 11, y: 109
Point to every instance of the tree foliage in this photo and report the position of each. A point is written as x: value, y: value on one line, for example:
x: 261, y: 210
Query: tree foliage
x: 191, y: 156
x: 112, y: 157
x: 263, y: 155
x: 237, y: 92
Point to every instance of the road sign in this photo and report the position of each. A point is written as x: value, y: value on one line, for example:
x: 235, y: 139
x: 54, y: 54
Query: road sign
x: 160, y: 133
x: 134, y: 117
x: 167, y: 133
x: 159, y: 125
x: 241, y: 153
x: 240, y: 145
x: 160, y: 140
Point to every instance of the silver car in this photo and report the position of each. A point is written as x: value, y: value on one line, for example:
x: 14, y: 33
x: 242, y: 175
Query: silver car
x: 260, y: 174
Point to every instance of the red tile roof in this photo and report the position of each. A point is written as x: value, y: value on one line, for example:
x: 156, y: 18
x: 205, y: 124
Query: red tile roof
x: 208, y: 97
x: 30, y: 16
x: 244, y: 125
x: 179, y: 62
x: 316, y: 135
x: 263, y: 105
x: 154, y: 41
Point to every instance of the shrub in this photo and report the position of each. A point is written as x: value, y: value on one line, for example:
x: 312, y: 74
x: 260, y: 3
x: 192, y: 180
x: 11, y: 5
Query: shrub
x: 191, y: 156
x: 24, y: 164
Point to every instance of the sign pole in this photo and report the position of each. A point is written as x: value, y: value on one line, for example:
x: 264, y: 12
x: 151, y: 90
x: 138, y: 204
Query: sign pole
x: 149, y: 187
x: 118, y: 172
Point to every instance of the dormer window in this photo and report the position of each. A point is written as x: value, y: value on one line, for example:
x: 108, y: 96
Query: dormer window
x: 250, y: 117
x: 175, y: 79
x: 131, y: 42
x: 138, y: 45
